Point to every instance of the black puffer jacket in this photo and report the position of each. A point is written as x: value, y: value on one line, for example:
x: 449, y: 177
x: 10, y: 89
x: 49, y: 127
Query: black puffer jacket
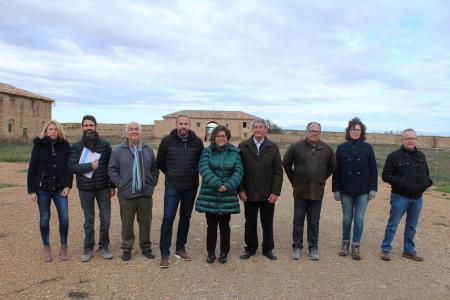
x: 48, y: 166
x: 178, y: 160
x: 407, y: 173
x: 100, y: 179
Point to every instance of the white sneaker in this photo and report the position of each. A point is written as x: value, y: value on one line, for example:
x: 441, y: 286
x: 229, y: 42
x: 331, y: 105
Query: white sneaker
x: 296, y: 253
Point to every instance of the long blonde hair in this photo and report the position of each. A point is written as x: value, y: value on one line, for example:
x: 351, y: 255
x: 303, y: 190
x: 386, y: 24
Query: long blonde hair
x: 61, y: 133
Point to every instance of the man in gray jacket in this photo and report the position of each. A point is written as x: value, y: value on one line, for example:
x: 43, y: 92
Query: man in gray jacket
x: 132, y: 168
x: 308, y: 164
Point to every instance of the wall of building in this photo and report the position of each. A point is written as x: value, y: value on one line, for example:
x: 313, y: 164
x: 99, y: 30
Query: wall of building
x: 238, y: 132
x: 108, y: 131
x: 22, y: 118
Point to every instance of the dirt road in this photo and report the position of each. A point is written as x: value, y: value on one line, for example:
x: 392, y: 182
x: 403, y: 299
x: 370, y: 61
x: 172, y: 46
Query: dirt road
x: 24, y: 274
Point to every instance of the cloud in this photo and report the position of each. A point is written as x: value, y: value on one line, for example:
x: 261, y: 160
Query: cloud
x: 288, y: 61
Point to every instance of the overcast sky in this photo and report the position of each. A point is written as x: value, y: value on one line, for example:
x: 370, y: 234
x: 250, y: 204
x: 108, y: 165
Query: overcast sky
x: 387, y: 62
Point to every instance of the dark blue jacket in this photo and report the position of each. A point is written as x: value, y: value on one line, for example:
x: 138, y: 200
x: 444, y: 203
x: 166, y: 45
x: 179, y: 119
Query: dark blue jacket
x: 356, y: 171
x: 48, y: 166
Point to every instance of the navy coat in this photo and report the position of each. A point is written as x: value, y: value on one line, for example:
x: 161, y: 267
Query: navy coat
x: 356, y: 171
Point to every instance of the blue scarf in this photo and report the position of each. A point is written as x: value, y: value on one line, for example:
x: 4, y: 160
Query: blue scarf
x: 138, y: 168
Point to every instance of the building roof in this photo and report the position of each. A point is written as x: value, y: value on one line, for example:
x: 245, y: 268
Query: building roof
x: 9, y: 89
x: 213, y: 114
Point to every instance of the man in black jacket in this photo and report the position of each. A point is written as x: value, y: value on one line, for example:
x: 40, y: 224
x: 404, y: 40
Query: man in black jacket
x: 96, y: 186
x: 406, y: 170
x: 260, y: 188
x: 178, y: 156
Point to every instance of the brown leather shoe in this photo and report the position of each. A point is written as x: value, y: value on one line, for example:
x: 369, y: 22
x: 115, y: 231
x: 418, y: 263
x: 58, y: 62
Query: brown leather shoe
x: 47, y: 253
x: 63, y: 253
x: 385, y: 255
x: 164, y: 263
x: 412, y: 255
x: 183, y: 255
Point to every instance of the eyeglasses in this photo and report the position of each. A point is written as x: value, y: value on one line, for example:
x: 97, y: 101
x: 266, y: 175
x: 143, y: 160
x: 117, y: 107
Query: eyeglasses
x: 221, y: 136
x: 410, y: 139
x: 314, y: 131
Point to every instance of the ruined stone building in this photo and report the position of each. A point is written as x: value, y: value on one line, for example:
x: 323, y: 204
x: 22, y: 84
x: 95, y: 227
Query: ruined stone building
x: 203, y: 121
x: 22, y: 113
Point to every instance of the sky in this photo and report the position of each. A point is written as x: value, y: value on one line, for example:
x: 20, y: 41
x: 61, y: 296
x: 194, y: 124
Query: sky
x: 387, y: 62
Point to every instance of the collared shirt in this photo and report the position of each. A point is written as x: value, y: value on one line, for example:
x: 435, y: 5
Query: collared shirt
x: 258, y: 144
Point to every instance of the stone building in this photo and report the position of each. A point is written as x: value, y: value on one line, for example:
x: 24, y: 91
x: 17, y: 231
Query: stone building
x: 203, y: 121
x: 22, y: 114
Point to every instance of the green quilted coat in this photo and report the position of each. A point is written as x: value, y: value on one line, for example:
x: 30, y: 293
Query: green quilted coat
x: 219, y: 167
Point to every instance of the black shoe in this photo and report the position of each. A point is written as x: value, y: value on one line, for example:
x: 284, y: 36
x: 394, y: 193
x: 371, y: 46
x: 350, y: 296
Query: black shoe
x: 211, y: 257
x: 270, y: 255
x: 246, y: 254
x: 126, y: 256
x: 148, y: 254
x: 223, y: 257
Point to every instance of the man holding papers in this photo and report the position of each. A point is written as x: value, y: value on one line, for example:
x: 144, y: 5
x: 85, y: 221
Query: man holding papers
x: 89, y: 158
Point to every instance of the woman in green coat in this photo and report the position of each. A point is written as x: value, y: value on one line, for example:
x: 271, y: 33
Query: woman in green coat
x: 221, y: 169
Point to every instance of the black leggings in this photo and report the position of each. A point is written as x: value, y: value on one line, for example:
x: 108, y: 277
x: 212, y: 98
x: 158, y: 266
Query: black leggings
x: 211, y: 236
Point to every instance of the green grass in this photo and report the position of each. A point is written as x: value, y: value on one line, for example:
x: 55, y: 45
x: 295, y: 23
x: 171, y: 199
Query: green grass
x: 15, y: 152
x: 443, y: 187
x: 7, y: 185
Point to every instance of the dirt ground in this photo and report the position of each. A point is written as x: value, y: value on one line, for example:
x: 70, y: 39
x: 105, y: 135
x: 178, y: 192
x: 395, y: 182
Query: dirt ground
x: 23, y: 274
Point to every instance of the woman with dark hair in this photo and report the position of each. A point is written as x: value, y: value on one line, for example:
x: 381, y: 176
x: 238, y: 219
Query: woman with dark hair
x: 354, y: 183
x: 48, y: 178
x: 221, y: 169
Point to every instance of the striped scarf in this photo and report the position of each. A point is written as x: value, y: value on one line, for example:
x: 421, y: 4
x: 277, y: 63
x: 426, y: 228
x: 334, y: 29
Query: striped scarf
x: 138, y: 168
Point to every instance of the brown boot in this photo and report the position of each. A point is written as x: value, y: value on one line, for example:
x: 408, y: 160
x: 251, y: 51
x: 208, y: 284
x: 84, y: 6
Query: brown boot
x: 47, y: 252
x: 355, y: 252
x: 63, y: 253
x: 412, y: 255
x: 344, y: 248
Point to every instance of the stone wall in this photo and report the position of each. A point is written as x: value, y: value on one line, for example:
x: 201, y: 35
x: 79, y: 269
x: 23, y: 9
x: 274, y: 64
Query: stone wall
x: 22, y: 118
x: 108, y: 131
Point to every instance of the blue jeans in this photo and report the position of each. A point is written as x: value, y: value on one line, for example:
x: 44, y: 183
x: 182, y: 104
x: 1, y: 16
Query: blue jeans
x: 62, y: 207
x: 353, y: 209
x: 400, y: 205
x: 186, y: 200
x: 87, y: 199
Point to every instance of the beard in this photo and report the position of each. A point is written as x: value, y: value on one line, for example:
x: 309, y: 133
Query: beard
x: 182, y: 133
x: 89, y: 139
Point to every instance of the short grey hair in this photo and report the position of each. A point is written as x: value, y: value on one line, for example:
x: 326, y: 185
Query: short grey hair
x: 133, y: 122
x: 182, y: 116
x: 260, y: 121
x: 312, y: 123
x: 408, y: 130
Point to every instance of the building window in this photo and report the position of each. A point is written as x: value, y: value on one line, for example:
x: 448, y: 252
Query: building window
x: 10, y: 125
x: 226, y: 125
x: 244, y: 124
x: 245, y: 134
x: 198, y: 124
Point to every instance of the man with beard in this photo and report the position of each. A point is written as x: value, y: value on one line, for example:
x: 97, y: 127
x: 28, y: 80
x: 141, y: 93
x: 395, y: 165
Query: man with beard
x: 98, y: 186
x: 178, y: 157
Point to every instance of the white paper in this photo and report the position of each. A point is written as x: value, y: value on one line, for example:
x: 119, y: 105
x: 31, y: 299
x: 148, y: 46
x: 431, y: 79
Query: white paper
x: 87, y: 156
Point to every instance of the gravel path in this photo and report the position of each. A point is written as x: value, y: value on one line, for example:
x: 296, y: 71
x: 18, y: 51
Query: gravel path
x: 24, y: 275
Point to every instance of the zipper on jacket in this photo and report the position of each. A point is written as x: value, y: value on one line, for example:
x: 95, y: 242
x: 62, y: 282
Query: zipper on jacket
x: 42, y: 178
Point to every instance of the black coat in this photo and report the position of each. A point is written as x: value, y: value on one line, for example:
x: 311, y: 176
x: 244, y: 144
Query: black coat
x: 263, y: 172
x: 48, y: 166
x: 356, y: 169
x: 407, y: 173
x: 100, y: 179
x: 178, y: 160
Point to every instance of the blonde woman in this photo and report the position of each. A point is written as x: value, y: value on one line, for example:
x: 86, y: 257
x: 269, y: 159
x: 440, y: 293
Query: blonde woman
x: 48, y: 178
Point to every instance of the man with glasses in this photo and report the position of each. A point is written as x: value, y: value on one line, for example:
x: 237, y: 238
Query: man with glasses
x: 406, y: 170
x: 308, y: 164
x: 93, y: 184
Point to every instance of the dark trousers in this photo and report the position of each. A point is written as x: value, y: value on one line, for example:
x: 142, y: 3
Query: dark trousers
x: 61, y: 203
x: 142, y: 209
x: 310, y: 208
x: 211, y: 235
x: 87, y: 199
x: 172, y: 198
x: 266, y: 210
